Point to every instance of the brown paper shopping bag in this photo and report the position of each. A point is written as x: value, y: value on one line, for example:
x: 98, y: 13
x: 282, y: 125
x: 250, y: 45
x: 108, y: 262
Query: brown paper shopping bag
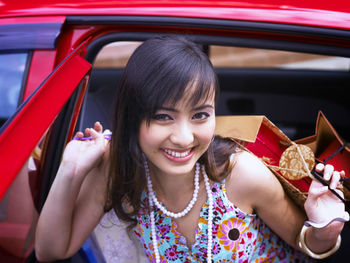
x: 269, y: 143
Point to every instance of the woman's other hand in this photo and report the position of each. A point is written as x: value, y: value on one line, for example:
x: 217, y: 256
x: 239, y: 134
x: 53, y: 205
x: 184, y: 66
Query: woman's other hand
x: 84, y: 155
x: 322, y: 205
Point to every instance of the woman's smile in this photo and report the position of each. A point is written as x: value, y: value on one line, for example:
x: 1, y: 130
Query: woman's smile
x: 178, y: 155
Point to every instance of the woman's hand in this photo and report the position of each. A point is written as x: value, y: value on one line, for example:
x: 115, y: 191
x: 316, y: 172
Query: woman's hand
x: 322, y: 205
x: 75, y: 202
x: 84, y: 155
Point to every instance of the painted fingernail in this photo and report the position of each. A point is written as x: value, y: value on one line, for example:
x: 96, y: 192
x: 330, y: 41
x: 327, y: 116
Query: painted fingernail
x: 319, y: 166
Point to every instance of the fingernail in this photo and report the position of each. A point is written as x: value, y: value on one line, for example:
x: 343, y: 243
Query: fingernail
x: 327, y: 176
x: 319, y: 166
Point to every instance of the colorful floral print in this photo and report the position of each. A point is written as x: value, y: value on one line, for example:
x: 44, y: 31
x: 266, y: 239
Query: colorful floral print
x: 231, y: 233
x: 237, y: 236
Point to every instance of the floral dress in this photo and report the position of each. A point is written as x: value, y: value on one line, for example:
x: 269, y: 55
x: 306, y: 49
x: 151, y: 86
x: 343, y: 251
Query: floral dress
x: 237, y: 236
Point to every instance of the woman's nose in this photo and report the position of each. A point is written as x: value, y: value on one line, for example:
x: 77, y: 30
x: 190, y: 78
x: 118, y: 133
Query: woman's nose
x: 182, y: 135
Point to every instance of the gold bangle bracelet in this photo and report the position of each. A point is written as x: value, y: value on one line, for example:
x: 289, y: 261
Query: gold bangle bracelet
x: 302, y: 245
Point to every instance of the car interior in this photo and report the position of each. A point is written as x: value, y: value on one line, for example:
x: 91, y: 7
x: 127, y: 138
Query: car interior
x: 288, y: 94
x: 288, y: 86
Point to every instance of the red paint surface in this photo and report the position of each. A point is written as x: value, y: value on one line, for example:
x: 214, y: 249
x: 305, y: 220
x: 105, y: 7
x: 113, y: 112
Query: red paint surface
x: 335, y: 14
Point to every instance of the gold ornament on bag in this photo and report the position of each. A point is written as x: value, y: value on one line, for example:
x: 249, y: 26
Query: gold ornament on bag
x: 295, y: 159
x: 298, y: 161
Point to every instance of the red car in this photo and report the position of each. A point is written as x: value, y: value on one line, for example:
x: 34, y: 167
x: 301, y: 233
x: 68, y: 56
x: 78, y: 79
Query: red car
x: 60, y: 62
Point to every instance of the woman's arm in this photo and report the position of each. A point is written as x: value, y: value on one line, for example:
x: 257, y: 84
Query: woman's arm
x: 264, y: 194
x: 75, y: 202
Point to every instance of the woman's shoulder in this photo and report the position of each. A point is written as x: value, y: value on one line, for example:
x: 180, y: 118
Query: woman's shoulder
x: 247, y: 166
x: 249, y: 175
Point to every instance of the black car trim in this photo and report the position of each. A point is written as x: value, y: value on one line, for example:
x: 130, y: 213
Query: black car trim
x: 212, y: 23
x: 56, y: 143
x: 31, y: 35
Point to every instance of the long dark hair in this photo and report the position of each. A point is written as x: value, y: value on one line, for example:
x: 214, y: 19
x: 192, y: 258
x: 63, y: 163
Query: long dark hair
x: 158, y: 72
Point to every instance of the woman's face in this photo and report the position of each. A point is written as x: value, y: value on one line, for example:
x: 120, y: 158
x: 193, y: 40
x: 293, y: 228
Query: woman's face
x: 177, y: 136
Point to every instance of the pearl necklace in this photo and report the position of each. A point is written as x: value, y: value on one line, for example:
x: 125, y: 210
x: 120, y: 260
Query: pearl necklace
x: 210, y: 212
x: 161, y: 207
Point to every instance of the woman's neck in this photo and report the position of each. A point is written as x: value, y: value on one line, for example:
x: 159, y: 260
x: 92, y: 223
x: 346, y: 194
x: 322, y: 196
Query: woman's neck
x: 173, y: 190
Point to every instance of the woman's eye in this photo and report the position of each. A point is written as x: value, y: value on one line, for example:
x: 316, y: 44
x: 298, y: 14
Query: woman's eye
x: 162, y: 117
x: 201, y: 116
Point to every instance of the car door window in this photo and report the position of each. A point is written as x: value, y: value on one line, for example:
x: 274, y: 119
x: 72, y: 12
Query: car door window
x: 242, y: 57
x: 288, y: 87
x: 106, y: 74
x: 12, y: 73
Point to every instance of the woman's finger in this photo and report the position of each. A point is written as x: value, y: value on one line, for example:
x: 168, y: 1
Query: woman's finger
x: 98, y: 126
x: 94, y: 134
x: 79, y: 134
x: 319, y: 167
x: 87, y: 132
x: 335, y: 180
x: 342, y: 174
x: 328, y: 171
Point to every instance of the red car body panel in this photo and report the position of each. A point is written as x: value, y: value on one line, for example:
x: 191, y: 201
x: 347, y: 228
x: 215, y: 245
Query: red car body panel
x: 335, y: 14
x: 43, y: 62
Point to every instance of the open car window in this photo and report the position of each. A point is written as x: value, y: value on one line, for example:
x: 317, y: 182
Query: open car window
x: 288, y: 87
x: 241, y: 57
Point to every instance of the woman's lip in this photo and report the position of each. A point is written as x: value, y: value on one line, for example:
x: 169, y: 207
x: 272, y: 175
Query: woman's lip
x: 177, y: 156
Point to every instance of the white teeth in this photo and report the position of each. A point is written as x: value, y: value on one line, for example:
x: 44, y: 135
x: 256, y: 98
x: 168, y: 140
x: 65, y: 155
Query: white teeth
x: 177, y: 154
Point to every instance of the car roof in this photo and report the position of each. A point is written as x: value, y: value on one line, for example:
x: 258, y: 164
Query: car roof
x: 321, y: 13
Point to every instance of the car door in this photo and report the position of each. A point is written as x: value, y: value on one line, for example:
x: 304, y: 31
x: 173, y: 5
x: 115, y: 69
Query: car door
x: 41, y: 126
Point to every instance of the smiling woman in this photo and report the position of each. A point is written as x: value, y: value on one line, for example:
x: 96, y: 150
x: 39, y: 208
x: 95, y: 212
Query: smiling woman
x: 160, y: 116
x: 185, y: 194
x: 286, y: 60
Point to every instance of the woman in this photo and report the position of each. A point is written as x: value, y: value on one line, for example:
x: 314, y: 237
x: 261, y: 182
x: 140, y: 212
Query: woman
x: 188, y: 196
